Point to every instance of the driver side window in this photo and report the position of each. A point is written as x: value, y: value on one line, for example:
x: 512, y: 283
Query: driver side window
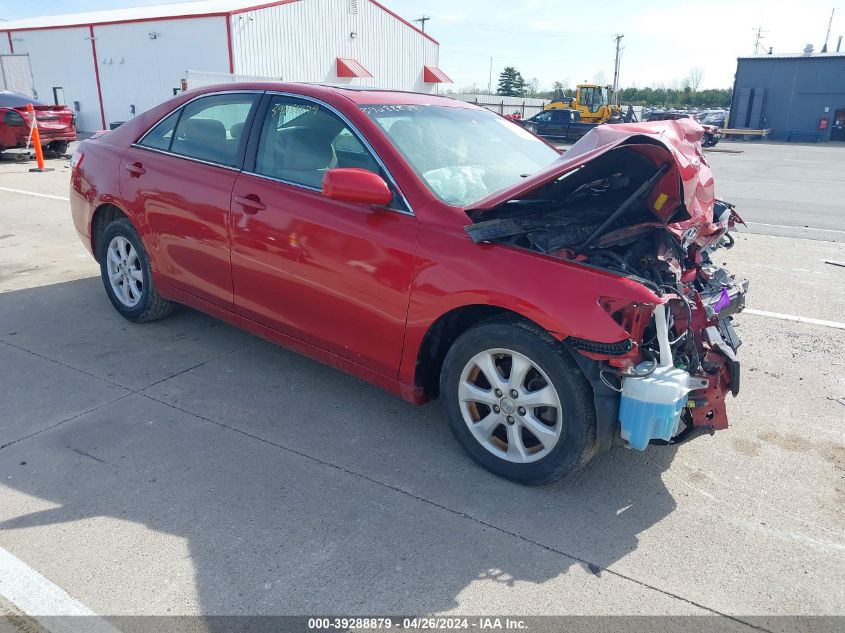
x: 301, y: 140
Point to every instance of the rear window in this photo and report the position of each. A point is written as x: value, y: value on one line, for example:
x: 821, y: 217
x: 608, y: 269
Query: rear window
x: 16, y: 100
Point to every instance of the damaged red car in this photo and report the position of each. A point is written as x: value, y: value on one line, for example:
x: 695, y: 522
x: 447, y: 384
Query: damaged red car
x: 56, y: 123
x: 554, y: 303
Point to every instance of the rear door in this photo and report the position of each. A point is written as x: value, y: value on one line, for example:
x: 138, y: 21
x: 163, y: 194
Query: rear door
x: 333, y: 274
x: 178, y: 182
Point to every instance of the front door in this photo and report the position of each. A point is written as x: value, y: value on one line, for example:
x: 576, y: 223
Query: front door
x: 178, y: 182
x: 333, y: 274
x: 837, y: 132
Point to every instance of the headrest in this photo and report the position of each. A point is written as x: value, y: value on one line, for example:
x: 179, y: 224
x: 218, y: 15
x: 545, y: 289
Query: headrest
x: 206, y: 131
x: 305, y: 149
x: 406, y: 134
x: 236, y: 130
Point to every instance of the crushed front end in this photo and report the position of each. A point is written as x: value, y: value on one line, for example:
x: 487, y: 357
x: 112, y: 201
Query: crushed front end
x: 637, y: 201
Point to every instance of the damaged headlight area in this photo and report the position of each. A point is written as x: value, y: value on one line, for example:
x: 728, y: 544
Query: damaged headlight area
x: 639, y: 212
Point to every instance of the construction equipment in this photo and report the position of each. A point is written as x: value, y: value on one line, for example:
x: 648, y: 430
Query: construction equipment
x: 591, y: 100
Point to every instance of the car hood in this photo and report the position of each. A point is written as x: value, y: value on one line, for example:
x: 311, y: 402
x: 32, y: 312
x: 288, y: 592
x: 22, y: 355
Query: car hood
x: 681, y: 138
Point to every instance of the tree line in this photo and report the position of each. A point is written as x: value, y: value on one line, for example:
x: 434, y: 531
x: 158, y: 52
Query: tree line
x: 513, y: 84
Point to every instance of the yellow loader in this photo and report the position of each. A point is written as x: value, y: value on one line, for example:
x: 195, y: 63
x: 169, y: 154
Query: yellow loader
x: 591, y: 100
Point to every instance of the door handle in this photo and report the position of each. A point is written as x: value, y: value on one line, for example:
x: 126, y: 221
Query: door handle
x: 250, y: 202
x: 136, y: 169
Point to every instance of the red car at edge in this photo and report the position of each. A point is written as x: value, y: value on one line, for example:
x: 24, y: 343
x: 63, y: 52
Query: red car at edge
x: 56, y: 123
x: 432, y: 248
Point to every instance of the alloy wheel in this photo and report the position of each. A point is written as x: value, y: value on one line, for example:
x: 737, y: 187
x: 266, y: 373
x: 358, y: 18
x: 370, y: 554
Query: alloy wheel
x: 510, y: 406
x: 125, y: 273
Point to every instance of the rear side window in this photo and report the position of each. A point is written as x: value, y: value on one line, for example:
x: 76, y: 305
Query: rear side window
x: 160, y: 136
x: 211, y: 128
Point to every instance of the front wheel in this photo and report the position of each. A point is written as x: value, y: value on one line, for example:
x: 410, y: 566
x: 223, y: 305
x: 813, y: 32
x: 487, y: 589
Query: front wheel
x: 125, y: 270
x: 707, y: 141
x: 517, y: 403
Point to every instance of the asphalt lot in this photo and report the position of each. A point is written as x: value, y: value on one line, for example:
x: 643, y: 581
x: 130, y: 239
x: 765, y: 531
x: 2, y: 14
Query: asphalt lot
x: 185, y: 467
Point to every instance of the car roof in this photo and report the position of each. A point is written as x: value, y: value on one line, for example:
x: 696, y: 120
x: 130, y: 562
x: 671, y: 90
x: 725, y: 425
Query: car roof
x: 360, y: 95
x: 9, y: 99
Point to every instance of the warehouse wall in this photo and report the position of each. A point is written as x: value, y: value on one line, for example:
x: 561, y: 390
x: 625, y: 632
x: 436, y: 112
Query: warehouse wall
x: 136, y: 70
x: 300, y: 41
x: 62, y: 57
x: 790, y: 95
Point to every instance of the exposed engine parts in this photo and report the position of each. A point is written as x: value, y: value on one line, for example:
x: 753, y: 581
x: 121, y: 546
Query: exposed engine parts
x: 627, y: 213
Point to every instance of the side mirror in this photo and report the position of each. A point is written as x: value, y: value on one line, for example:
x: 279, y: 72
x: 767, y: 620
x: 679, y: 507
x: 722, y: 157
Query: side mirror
x: 350, y: 184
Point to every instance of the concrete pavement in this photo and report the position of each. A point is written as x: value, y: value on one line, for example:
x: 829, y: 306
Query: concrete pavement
x: 184, y: 467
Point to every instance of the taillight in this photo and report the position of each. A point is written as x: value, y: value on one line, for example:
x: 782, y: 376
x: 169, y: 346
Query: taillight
x: 76, y: 158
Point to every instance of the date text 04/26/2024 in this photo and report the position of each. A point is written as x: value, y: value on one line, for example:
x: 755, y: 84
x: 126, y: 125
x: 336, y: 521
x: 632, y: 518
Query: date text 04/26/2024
x: 417, y: 623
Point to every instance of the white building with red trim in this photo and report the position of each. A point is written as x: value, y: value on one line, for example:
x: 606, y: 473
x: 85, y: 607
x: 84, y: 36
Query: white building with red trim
x: 114, y: 64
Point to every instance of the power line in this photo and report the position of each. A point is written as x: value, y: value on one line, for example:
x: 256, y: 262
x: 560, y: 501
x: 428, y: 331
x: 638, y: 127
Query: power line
x: 509, y: 29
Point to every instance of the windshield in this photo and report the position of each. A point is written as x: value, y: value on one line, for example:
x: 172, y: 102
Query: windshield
x: 714, y: 118
x: 462, y: 154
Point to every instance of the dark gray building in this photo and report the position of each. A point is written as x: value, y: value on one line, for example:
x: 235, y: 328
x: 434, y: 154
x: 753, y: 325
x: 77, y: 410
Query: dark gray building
x: 798, y: 97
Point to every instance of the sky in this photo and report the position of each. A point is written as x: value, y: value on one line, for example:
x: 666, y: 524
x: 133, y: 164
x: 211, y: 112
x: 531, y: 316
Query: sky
x: 572, y: 41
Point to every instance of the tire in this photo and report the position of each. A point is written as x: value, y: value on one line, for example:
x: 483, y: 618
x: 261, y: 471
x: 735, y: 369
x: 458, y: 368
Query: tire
x: 707, y: 141
x: 58, y: 148
x: 133, y: 294
x: 512, y: 450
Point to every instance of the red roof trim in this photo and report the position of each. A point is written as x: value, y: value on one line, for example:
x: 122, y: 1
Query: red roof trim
x: 215, y: 14
x: 266, y: 5
x: 133, y: 21
x: 348, y: 67
x: 433, y: 75
x: 404, y: 21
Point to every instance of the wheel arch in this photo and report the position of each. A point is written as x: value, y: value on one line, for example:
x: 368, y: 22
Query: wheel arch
x: 104, y: 215
x: 443, y: 332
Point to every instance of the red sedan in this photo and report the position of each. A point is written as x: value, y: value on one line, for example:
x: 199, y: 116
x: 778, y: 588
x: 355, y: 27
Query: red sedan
x: 434, y: 248
x: 56, y: 125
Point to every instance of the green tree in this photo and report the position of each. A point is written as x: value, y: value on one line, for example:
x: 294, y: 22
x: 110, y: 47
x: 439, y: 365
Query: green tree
x: 511, y: 83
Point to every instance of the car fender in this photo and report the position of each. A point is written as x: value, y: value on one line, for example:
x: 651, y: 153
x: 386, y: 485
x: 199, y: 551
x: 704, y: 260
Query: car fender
x: 564, y: 298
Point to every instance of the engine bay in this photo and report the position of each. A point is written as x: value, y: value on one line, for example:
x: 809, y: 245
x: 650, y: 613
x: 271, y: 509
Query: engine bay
x: 627, y: 212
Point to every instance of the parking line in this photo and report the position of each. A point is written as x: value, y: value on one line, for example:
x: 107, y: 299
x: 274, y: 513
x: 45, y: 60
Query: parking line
x: 47, y: 603
x: 33, y: 193
x: 800, y: 228
x: 795, y: 318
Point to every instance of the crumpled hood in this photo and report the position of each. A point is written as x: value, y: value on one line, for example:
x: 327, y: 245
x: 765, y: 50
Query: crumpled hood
x: 682, y: 139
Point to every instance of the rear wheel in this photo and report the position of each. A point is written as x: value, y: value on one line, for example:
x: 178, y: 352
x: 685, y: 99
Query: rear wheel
x: 517, y: 403
x: 125, y: 270
x: 58, y: 148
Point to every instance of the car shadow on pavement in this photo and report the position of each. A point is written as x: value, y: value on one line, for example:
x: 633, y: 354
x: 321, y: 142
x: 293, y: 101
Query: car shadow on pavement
x: 292, y: 488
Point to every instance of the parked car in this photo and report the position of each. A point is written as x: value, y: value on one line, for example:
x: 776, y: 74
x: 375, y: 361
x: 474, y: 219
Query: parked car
x: 712, y: 134
x: 558, y: 124
x: 717, y: 118
x: 56, y: 123
x: 433, y: 248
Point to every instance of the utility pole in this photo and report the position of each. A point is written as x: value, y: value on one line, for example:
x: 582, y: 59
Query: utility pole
x: 757, y: 39
x: 422, y: 21
x: 490, y: 79
x: 616, y: 70
x: 826, y: 37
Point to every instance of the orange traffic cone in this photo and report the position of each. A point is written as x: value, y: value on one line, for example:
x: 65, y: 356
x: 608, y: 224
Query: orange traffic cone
x: 36, y: 140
